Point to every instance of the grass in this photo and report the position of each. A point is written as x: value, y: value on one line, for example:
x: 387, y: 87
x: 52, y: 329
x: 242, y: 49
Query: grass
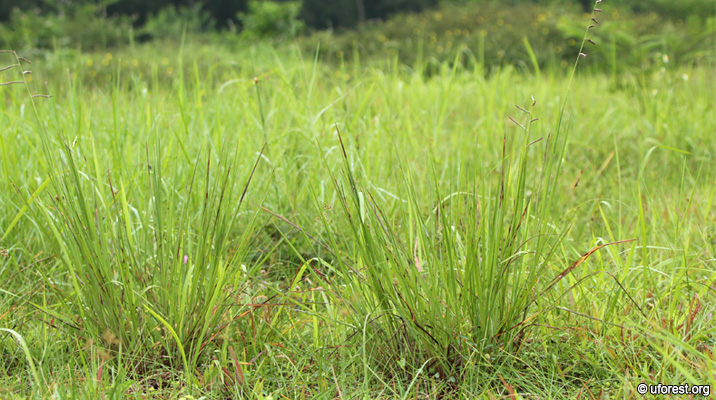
x: 266, y: 225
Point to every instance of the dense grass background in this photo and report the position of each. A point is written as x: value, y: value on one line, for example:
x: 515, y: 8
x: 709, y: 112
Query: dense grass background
x: 130, y: 270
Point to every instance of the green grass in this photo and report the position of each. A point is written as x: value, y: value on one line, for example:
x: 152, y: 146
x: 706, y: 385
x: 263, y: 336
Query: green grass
x: 353, y: 230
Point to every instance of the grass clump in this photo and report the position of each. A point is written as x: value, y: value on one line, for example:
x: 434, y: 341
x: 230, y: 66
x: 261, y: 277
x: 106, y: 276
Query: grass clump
x: 449, y: 290
x: 151, y: 264
x: 452, y: 290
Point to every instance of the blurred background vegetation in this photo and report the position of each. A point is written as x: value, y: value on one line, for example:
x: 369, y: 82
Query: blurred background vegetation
x: 529, y: 34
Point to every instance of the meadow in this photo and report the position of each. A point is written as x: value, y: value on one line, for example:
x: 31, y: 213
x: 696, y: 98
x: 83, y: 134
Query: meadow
x: 188, y: 220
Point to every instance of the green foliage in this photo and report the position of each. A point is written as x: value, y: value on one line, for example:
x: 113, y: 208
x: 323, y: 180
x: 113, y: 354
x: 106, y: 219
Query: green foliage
x: 173, y: 22
x: 84, y: 26
x: 338, y: 13
x: 490, y: 35
x: 474, y: 32
x: 664, y: 8
x: 671, y: 9
x: 349, y: 13
x: 271, y: 19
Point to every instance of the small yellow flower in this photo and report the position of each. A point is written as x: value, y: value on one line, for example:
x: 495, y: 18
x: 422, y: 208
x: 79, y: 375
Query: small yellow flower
x: 135, y: 62
x: 105, y: 62
x: 108, y: 56
x: 165, y: 61
x: 545, y: 31
x: 483, y: 32
x: 572, y: 42
x: 439, y: 49
x: 170, y: 71
x: 500, y: 22
x: 89, y: 63
x: 93, y: 73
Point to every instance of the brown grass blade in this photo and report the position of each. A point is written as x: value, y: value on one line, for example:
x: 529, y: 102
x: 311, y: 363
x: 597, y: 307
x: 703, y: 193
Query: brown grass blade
x: 581, y: 260
x: 238, y: 372
x: 509, y: 388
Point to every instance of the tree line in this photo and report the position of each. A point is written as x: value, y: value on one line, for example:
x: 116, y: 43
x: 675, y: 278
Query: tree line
x: 317, y: 14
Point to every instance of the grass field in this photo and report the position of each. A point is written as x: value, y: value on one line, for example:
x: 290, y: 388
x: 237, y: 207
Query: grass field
x: 189, y: 221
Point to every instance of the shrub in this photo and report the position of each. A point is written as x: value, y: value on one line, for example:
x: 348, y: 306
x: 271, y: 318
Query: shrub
x: 84, y: 26
x: 172, y: 22
x: 271, y: 19
x: 492, y: 35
